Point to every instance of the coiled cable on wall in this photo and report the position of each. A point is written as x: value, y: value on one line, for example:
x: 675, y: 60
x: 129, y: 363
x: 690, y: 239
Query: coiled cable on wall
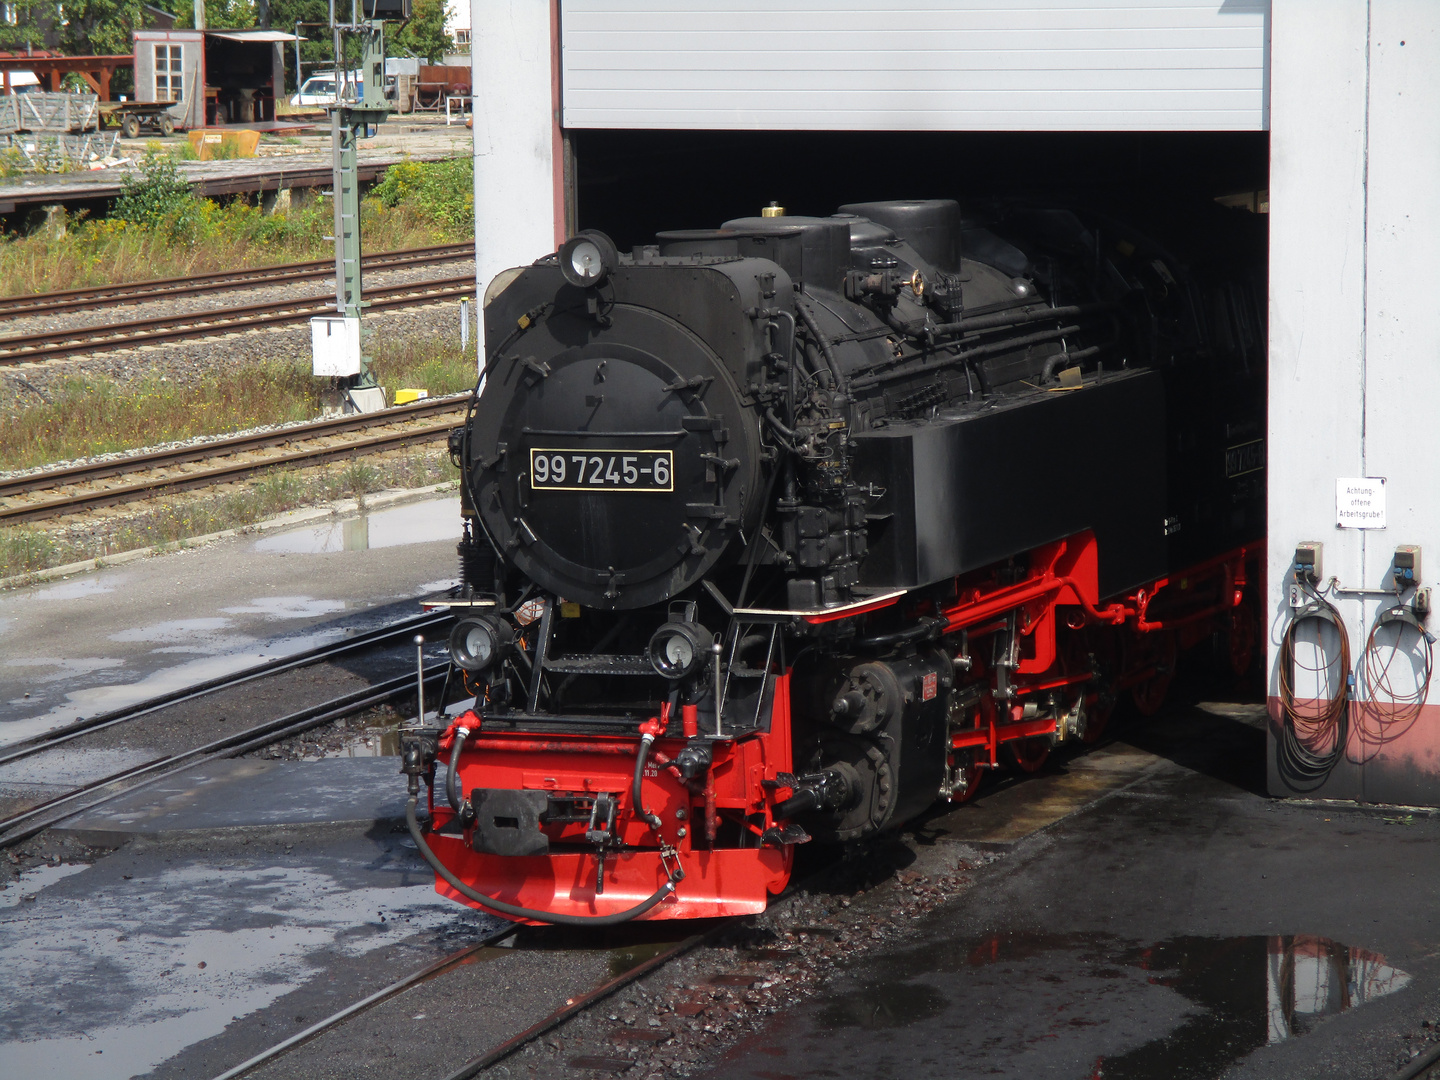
x: 1385, y: 714
x: 1313, y: 735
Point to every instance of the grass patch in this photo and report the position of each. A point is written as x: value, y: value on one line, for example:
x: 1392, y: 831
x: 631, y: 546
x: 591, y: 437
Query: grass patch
x: 161, y: 229
x: 27, y: 549
x: 85, y: 416
x: 415, y: 362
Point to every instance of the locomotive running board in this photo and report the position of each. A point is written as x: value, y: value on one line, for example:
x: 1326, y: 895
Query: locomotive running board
x: 824, y: 614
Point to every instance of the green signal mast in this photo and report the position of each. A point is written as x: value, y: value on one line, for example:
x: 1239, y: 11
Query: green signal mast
x: 337, y: 341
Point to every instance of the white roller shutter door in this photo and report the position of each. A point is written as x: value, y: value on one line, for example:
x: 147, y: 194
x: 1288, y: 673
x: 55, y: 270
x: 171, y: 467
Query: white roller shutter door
x: 971, y: 65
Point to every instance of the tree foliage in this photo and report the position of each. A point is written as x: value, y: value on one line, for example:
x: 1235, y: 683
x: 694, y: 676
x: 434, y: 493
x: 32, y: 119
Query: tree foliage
x: 219, y: 14
x: 76, y: 27
x: 424, y: 35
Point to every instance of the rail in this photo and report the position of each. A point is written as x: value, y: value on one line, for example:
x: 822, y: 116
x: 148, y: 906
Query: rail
x: 56, y: 344
x: 135, y: 292
x: 21, y: 826
x: 168, y: 483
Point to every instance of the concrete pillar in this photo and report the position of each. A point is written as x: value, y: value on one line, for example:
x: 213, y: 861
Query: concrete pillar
x: 519, y: 212
x: 1354, y: 216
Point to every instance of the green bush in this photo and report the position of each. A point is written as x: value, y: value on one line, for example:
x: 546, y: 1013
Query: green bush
x: 443, y: 191
x: 159, y: 228
x: 158, y: 195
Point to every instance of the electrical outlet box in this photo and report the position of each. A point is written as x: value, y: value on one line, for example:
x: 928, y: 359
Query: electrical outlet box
x: 1406, y: 567
x: 334, y: 345
x: 1309, y: 555
x: 1421, y: 604
x: 1297, y: 596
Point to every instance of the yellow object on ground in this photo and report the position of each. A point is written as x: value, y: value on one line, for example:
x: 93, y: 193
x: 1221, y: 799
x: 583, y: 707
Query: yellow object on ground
x: 405, y: 397
x: 204, y: 141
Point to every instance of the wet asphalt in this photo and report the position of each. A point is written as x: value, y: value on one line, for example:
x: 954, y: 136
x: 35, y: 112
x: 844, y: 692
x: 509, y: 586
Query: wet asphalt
x: 1149, y: 912
x: 105, y: 639
x: 1184, y: 925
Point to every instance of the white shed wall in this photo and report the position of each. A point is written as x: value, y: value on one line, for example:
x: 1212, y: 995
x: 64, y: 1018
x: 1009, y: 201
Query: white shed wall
x: 1355, y: 216
x: 518, y: 209
x: 978, y: 65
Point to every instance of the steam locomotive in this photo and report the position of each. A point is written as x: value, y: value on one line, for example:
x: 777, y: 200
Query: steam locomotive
x: 789, y: 529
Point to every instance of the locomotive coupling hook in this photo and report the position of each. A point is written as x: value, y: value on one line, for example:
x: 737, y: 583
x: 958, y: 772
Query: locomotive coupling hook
x: 514, y: 911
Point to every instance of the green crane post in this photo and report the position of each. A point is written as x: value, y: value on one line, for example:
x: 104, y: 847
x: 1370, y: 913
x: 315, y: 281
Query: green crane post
x: 350, y: 118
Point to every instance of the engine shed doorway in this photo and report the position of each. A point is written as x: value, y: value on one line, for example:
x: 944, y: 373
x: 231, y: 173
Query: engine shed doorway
x: 1202, y: 196
x: 634, y: 183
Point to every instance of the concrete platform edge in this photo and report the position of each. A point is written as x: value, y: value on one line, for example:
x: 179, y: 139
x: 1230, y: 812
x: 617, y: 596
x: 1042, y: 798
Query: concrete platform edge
x: 381, y: 500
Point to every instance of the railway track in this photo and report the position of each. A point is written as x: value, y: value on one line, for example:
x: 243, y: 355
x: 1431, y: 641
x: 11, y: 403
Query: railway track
x: 499, y: 1054
x: 28, y: 822
x: 37, y: 496
x: 57, y: 344
x: 503, y: 1050
x: 136, y: 292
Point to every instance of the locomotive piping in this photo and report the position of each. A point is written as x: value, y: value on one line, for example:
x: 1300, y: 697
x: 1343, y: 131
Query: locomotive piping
x: 452, y: 787
x: 924, y: 630
x: 1048, y: 372
x: 779, y: 426
x: 965, y: 356
x: 641, y: 754
x: 1005, y: 319
x: 514, y: 910
x: 821, y: 342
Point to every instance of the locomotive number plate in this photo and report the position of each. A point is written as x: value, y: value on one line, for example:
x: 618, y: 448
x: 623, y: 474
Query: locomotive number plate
x: 608, y: 470
x: 1246, y: 458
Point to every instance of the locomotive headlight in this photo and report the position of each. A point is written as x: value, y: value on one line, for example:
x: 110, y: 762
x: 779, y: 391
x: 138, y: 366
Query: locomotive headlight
x: 678, y: 649
x: 478, y: 642
x: 587, y: 258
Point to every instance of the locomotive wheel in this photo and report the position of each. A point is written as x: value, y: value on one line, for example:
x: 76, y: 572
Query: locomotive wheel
x: 1161, y: 652
x: 1103, y: 644
x: 1029, y: 755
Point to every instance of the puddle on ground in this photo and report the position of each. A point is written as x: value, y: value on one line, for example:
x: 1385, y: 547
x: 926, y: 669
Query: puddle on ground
x: 379, y: 741
x: 63, y: 768
x: 92, y: 700
x: 32, y: 881
x: 117, y: 977
x: 415, y: 523
x: 1303, y: 978
x: 287, y: 607
x: 1187, y: 1008
x: 628, y: 957
x: 885, y: 1005
x: 89, y: 585
x: 383, y: 740
x: 64, y: 667
x: 201, y: 635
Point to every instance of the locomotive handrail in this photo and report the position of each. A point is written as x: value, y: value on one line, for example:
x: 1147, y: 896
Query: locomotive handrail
x: 964, y: 356
x: 572, y: 433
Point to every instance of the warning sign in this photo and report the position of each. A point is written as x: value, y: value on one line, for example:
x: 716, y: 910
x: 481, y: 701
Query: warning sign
x: 1360, y: 503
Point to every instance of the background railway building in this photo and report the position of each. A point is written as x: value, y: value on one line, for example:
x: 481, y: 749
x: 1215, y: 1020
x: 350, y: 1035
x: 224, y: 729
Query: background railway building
x: 1322, y: 114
